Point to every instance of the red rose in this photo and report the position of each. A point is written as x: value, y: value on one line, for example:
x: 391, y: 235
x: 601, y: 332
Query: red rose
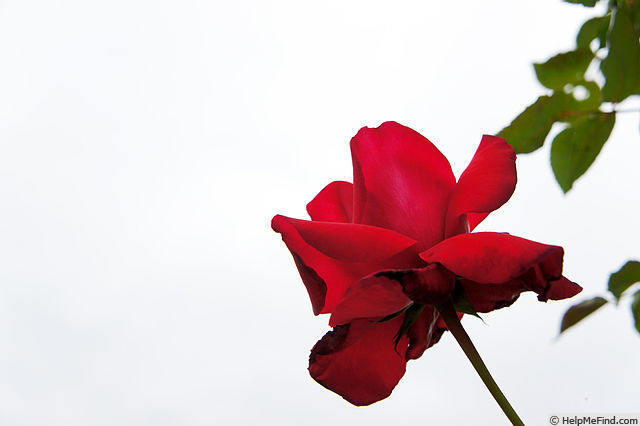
x: 380, y: 253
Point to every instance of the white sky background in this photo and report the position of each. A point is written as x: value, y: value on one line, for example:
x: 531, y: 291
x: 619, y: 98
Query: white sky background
x: 145, y: 146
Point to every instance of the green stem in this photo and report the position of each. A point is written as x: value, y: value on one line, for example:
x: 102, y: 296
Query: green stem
x: 450, y: 317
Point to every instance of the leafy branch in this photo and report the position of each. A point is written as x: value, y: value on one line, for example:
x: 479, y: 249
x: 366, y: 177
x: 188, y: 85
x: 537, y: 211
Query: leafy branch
x: 608, y: 50
x: 576, y: 100
x: 620, y: 283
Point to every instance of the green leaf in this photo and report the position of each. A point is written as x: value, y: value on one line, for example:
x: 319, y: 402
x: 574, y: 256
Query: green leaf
x: 576, y: 109
x: 576, y: 147
x: 588, y: 3
x: 578, y: 312
x: 593, y: 100
x: 564, y: 68
x: 635, y: 309
x: 636, y: 17
x: 594, y: 28
x: 527, y: 131
x: 621, y: 67
x: 628, y: 275
x: 633, y: 6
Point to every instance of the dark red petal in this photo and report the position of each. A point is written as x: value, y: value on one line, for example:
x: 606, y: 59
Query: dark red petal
x: 561, y: 289
x: 428, y: 286
x: 484, y: 186
x: 333, y: 204
x: 489, y: 297
x: 424, y: 333
x: 401, y: 182
x: 372, y: 297
x: 349, y: 242
x: 360, y: 361
x: 492, y: 257
x: 316, y: 287
x: 333, y: 256
x: 495, y: 268
x: 387, y: 292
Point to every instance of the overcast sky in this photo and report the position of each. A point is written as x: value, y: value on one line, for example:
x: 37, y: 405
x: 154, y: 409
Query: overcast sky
x: 145, y: 146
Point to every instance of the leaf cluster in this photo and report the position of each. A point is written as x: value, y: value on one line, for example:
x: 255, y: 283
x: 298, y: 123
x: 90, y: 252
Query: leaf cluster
x: 608, y: 45
x: 620, y: 283
x: 584, y: 108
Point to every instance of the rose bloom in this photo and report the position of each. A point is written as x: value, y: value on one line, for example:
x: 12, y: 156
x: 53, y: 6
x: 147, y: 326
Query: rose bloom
x: 381, y: 253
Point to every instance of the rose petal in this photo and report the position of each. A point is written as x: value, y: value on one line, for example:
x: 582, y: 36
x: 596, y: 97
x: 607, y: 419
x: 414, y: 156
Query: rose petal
x: 333, y: 204
x: 428, y: 286
x: 560, y: 289
x: 389, y: 291
x: 492, y: 257
x: 373, y: 297
x: 495, y: 268
x: 360, y: 361
x: 424, y: 333
x: 332, y: 256
x: 401, y: 182
x: 348, y: 241
x: 489, y: 297
x: 485, y: 185
x: 316, y: 286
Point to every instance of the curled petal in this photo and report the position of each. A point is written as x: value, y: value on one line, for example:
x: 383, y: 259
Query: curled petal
x: 489, y: 297
x: 561, y: 289
x: 387, y: 292
x: 316, y: 286
x: 486, y: 184
x: 401, y: 182
x: 347, y: 241
x: 372, y: 297
x: 492, y: 257
x: 333, y: 204
x: 428, y: 286
x: 550, y: 289
x: 332, y: 256
x: 360, y: 361
x: 495, y: 268
x: 424, y: 333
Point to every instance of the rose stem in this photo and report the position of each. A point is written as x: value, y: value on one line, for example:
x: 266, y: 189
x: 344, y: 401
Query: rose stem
x: 450, y: 317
